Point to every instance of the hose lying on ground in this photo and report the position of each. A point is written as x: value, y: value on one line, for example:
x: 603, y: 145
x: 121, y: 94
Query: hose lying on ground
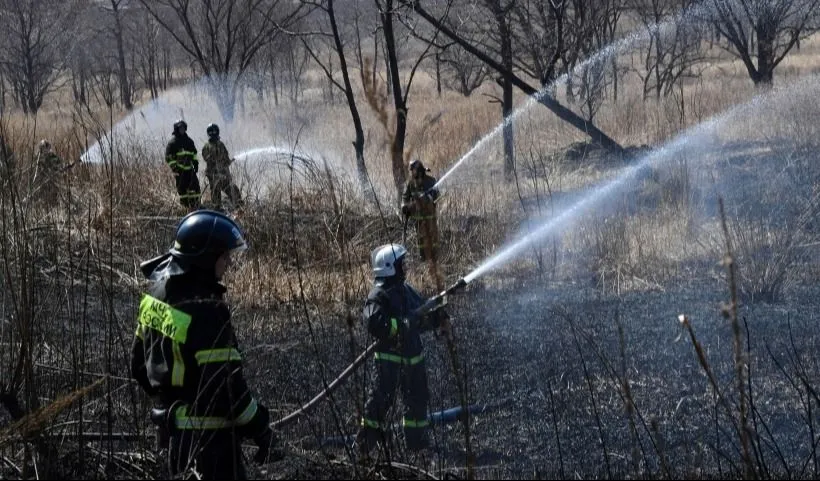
x: 292, y: 417
x: 445, y: 416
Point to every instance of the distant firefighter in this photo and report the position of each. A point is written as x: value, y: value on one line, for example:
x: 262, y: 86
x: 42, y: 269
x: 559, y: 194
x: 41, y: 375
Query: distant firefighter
x: 218, y: 169
x: 419, y: 204
x: 180, y: 155
x: 49, y: 166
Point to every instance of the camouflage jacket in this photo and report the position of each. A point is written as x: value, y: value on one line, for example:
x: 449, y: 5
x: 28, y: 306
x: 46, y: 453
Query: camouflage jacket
x: 49, y: 162
x: 420, y: 207
x: 216, y: 157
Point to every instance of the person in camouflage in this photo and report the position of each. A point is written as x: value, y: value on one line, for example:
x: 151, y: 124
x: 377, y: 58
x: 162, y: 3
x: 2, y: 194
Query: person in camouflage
x: 49, y: 166
x: 218, y: 171
x: 419, y: 204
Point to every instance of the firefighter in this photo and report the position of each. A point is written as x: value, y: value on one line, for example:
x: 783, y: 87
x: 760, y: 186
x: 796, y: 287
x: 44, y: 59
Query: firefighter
x: 419, y: 204
x: 48, y: 168
x: 180, y: 154
x: 390, y: 316
x: 218, y: 170
x: 185, y: 354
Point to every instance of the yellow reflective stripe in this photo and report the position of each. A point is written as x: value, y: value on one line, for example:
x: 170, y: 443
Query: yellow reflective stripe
x: 386, y: 356
x: 178, y: 372
x: 210, y: 356
x: 190, y: 195
x: 415, y: 423
x: 160, y: 316
x: 248, y: 414
x: 394, y: 326
x: 183, y: 421
x: 140, y: 328
x: 371, y: 423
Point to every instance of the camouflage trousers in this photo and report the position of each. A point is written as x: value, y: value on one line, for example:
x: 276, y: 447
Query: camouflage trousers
x: 221, y: 181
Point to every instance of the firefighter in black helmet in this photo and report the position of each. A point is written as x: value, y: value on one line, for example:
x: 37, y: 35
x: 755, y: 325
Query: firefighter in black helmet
x: 218, y: 169
x: 186, y: 357
x: 180, y: 155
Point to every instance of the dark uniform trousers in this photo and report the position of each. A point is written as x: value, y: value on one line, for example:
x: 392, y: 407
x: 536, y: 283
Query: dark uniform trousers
x: 393, y: 371
x: 188, y: 188
x: 217, y: 455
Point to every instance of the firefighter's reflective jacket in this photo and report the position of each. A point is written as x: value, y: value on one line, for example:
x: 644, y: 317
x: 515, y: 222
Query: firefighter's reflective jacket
x: 180, y: 154
x: 387, y: 307
x: 185, y: 355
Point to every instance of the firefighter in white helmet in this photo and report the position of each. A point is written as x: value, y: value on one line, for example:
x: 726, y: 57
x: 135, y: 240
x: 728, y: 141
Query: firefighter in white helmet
x: 399, y: 360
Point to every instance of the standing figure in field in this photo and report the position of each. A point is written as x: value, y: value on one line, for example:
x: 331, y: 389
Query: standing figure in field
x: 186, y: 357
x: 180, y: 155
x: 419, y: 204
x: 218, y: 169
x: 47, y: 171
x: 391, y: 317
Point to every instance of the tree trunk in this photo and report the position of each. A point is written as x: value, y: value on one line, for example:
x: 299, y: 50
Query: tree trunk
x: 122, y: 72
x: 766, y: 36
x: 397, y: 147
x: 358, y: 143
x: 224, y: 92
x: 507, y: 96
x: 438, y: 73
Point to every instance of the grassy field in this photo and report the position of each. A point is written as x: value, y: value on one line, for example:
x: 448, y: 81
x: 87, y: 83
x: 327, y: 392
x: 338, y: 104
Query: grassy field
x: 575, y: 344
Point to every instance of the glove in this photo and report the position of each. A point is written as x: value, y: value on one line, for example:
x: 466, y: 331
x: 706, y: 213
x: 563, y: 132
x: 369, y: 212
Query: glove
x: 266, y: 453
x: 406, y: 210
x: 411, y: 321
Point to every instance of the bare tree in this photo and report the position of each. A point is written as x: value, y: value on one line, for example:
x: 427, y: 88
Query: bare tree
x: 125, y: 86
x: 541, y: 96
x: 338, y: 47
x: 390, y: 16
x: 593, y: 25
x: 463, y: 72
x: 148, y: 45
x: 224, y: 36
x: 35, y: 34
x: 762, y: 32
x: 674, y: 43
x: 541, y: 34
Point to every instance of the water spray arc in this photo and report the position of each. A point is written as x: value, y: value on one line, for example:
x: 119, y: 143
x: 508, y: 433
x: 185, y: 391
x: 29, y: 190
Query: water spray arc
x: 542, y: 96
x: 686, y: 140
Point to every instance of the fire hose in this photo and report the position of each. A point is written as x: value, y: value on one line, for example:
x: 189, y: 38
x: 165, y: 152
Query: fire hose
x: 429, y: 306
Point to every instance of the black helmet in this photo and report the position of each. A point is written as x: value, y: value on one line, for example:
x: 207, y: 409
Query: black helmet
x: 204, y: 235
x: 212, y: 130
x: 417, y: 165
x: 180, y: 124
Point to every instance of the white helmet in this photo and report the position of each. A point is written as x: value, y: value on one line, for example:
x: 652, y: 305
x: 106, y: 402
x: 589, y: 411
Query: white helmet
x: 384, y: 259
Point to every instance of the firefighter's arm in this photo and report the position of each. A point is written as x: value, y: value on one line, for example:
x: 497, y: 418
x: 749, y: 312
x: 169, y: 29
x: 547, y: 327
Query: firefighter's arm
x: 220, y: 363
x: 380, y: 323
x: 171, y: 158
x: 138, y: 370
